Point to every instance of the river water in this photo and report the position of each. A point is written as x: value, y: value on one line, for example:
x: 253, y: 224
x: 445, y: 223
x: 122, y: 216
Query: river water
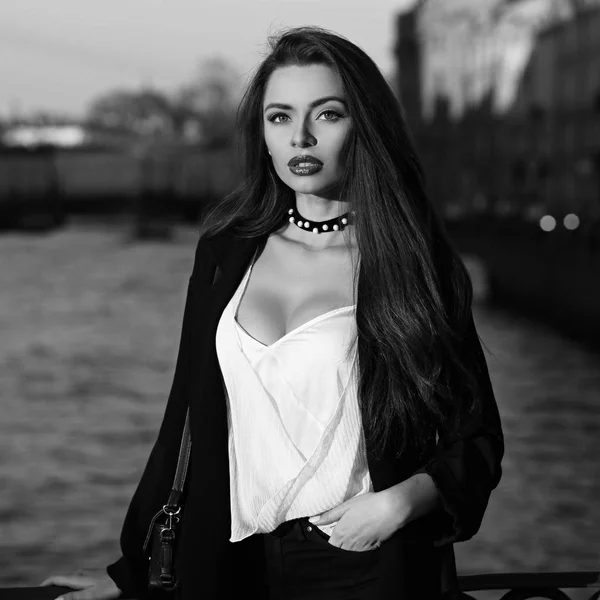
x: 90, y: 323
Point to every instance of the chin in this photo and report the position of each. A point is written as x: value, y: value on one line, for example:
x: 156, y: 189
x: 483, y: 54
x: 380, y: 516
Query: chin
x: 309, y: 184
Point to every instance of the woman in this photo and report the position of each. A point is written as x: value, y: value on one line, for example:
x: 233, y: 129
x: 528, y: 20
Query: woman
x: 328, y: 357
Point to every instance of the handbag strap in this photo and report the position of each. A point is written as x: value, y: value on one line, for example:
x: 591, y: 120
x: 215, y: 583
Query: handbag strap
x: 171, y: 508
x: 182, y: 464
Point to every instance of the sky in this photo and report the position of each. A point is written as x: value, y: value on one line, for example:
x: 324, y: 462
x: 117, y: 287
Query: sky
x: 57, y: 55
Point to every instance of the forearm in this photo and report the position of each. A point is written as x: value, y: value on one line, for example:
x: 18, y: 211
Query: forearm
x: 412, y: 498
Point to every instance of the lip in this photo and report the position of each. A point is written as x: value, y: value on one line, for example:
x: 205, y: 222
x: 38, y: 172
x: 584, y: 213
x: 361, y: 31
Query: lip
x: 309, y: 169
x: 304, y: 158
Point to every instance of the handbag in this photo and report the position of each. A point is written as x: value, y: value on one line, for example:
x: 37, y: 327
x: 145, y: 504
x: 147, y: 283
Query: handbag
x: 161, y: 571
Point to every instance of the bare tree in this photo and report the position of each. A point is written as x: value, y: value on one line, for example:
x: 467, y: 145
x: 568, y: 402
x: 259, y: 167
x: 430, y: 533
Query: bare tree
x: 210, y: 98
x: 146, y: 111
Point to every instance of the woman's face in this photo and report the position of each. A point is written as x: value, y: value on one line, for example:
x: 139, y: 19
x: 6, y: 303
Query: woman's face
x: 304, y: 115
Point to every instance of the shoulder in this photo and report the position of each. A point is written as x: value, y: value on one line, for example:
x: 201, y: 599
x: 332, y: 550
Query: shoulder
x: 220, y: 244
x: 222, y: 249
x: 211, y: 242
x: 206, y: 255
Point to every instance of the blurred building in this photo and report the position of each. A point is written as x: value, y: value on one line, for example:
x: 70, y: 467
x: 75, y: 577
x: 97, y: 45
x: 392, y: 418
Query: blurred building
x: 559, y: 100
x: 503, y: 99
x: 408, y: 58
x: 471, y: 48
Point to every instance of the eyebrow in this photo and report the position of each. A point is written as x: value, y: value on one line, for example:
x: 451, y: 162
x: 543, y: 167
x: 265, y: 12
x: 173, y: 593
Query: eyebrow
x: 313, y: 104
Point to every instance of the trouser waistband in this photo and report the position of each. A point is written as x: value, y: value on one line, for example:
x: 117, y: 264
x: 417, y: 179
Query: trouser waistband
x: 287, y: 526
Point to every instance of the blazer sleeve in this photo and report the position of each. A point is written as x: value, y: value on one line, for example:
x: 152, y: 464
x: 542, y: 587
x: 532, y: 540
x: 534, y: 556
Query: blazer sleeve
x: 130, y: 571
x: 466, y: 465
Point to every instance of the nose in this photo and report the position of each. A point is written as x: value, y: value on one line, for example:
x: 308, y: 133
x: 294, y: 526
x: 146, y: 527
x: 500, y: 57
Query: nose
x: 302, y: 137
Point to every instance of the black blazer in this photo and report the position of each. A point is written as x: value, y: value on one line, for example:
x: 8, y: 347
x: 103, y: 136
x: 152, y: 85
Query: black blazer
x: 465, y: 468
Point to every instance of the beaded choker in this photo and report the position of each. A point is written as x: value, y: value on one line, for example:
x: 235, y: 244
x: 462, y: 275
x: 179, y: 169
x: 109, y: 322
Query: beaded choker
x: 335, y: 224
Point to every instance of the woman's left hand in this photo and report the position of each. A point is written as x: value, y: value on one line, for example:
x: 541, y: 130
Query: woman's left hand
x: 364, y: 522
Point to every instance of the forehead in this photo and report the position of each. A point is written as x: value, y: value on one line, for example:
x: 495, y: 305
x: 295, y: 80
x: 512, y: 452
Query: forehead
x: 298, y: 85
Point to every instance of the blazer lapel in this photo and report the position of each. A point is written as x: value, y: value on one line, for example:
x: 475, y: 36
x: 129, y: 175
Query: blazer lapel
x: 231, y: 257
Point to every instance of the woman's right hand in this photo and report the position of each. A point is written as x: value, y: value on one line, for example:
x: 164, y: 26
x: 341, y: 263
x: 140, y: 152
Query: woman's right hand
x: 91, y: 584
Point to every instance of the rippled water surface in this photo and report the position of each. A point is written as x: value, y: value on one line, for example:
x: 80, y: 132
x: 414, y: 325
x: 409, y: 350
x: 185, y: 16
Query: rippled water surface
x: 90, y: 324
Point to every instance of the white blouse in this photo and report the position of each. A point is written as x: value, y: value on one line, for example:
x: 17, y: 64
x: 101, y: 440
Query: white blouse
x: 296, y: 444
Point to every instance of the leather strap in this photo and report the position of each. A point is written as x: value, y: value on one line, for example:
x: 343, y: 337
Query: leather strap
x: 172, y: 508
x: 182, y: 463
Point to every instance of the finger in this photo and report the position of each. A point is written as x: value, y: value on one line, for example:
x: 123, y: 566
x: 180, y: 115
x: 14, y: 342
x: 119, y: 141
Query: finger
x: 59, y: 580
x: 87, y: 594
x: 70, y: 581
x: 75, y: 576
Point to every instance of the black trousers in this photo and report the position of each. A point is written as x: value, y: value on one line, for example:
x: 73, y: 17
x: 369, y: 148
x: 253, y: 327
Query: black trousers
x: 301, y: 564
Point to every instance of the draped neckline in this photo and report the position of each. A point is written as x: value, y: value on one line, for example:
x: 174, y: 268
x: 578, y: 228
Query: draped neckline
x: 290, y: 333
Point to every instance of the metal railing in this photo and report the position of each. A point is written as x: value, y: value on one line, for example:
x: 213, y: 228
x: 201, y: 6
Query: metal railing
x: 516, y: 586
x: 525, y: 586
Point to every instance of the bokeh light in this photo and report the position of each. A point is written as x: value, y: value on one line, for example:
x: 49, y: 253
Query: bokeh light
x: 548, y: 223
x: 571, y: 221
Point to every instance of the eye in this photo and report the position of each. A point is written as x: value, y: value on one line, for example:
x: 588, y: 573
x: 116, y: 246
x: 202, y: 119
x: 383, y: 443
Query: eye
x: 336, y: 115
x: 275, y: 116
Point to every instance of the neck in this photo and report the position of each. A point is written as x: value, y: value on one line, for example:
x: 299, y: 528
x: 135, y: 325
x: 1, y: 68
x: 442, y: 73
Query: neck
x: 316, y: 208
x: 316, y: 243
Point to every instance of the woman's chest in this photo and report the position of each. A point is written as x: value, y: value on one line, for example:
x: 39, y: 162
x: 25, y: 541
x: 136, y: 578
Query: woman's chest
x: 288, y: 288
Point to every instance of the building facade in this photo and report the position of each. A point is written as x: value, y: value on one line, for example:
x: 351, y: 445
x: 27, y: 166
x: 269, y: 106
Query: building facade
x: 510, y: 105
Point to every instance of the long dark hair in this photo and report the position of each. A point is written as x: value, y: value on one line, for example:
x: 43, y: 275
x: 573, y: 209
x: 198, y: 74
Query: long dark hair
x: 413, y: 292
